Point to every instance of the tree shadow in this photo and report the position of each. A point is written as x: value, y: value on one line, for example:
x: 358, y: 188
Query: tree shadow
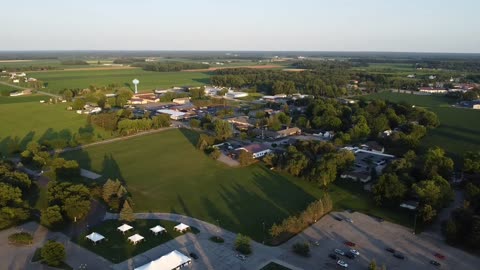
x: 28, y: 138
x: 202, y: 80
x: 190, y: 135
x: 111, y: 169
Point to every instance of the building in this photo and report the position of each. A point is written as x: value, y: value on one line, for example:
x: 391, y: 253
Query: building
x: 174, y: 115
x: 432, y: 90
x: 289, y: 132
x: 137, y: 101
x: 181, y: 101
x: 411, y: 76
x: 476, y: 106
x: 432, y: 77
x: 232, y: 94
x: 16, y: 81
x: 173, y: 260
x: 241, y: 122
x: 362, y: 176
x: 16, y: 94
x: 257, y: 150
x: 373, y: 146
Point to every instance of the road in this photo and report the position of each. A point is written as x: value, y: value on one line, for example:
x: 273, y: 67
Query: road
x: 25, y: 88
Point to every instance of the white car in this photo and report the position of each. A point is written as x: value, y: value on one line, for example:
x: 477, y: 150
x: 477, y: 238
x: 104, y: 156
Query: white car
x: 349, y: 220
x: 354, y: 252
x: 342, y: 263
x: 339, y: 251
x: 241, y: 257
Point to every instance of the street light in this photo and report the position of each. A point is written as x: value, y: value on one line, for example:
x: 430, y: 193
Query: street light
x: 263, y: 223
x: 415, y: 223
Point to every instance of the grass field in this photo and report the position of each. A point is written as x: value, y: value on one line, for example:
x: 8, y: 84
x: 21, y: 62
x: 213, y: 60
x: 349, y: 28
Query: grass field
x: 165, y: 173
x: 28, y: 119
x: 458, y: 131
x: 117, y: 248
x: 149, y: 80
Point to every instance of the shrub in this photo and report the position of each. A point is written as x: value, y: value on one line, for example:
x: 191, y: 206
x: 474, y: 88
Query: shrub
x: 21, y: 238
x: 217, y: 239
x: 53, y: 253
x: 302, y: 249
x: 242, y: 244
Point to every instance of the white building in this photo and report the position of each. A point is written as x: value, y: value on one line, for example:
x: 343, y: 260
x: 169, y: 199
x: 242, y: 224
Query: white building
x: 233, y: 94
x: 174, y: 115
x: 257, y: 150
x: 170, y: 261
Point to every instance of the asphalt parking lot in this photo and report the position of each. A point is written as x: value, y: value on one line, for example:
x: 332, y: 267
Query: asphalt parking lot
x: 371, y: 238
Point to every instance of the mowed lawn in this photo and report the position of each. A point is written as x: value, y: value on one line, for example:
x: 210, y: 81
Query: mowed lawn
x: 164, y: 172
x: 458, y: 131
x: 26, y: 118
x: 149, y: 80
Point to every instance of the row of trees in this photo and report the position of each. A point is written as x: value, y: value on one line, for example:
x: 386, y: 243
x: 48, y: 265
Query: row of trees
x: 295, y: 224
x: 170, y: 66
x: 123, y: 121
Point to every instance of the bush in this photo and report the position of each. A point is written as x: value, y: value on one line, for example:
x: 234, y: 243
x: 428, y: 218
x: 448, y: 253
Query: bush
x: 242, y: 244
x: 53, y: 253
x: 21, y: 238
x: 215, y: 154
x: 217, y: 239
x: 302, y: 249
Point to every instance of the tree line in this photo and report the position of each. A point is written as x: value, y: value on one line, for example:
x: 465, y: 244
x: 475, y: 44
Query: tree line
x: 170, y: 66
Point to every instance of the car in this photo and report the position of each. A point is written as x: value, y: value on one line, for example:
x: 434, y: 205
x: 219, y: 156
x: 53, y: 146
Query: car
x: 391, y: 250
x: 337, y: 218
x: 193, y: 256
x: 339, y: 251
x: 350, y: 256
x: 354, y: 252
x: 241, y: 257
x: 342, y: 263
x: 333, y: 256
x: 437, y: 264
x: 350, y: 244
x: 440, y: 256
x: 399, y: 256
x: 349, y: 220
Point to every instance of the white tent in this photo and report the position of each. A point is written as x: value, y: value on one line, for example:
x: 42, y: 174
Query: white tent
x: 157, y: 229
x: 95, y: 237
x: 135, y: 238
x: 181, y: 227
x: 124, y: 228
x: 172, y: 260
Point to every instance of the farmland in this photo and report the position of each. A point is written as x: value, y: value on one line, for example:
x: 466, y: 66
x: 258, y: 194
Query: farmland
x: 457, y: 132
x: 26, y: 118
x: 165, y: 173
x: 59, y: 80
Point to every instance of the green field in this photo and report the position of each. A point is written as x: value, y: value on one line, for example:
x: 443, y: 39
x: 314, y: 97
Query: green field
x: 149, y: 80
x: 164, y: 172
x: 56, y: 63
x: 26, y: 118
x: 458, y: 131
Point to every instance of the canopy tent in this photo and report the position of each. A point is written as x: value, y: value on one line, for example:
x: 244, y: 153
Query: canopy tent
x: 135, y: 238
x: 181, y: 227
x: 124, y: 228
x: 157, y: 229
x: 95, y: 237
x: 172, y: 260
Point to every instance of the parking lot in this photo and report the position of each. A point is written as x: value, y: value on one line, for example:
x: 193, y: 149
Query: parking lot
x: 371, y: 238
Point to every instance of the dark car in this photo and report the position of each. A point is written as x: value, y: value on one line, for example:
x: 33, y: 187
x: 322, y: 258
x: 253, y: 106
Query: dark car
x: 333, y: 256
x: 440, y: 256
x: 350, y: 244
x: 337, y: 218
x: 350, y: 255
x: 432, y: 262
x: 194, y: 256
x: 399, y: 256
x: 391, y: 250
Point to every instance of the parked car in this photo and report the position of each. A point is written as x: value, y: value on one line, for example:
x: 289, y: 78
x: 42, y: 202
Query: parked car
x: 337, y: 218
x: 437, y: 264
x: 342, y: 263
x: 391, y: 250
x: 193, y: 256
x: 399, y: 256
x: 350, y: 255
x: 241, y: 257
x: 354, y: 252
x: 350, y: 244
x: 339, y: 251
x: 333, y: 256
x: 349, y: 220
x: 440, y: 256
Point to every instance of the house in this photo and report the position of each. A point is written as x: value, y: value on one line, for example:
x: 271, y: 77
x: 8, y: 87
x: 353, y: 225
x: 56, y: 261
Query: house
x: 16, y: 81
x: 137, y: 101
x: 232, y: 94
x: 373, y: 146
x: 21, y: 74
x: 112, y: 95
x: 476, y: 106
x: 241, y: 122
x: 257, y: 150
x: 432, y: 90
x: 181, y: 101
x: 289, y: 132
x: 432, y: 77
x: 16, y: 94
x: 411, y: 76
x: 362, y: 176
x: 146, y: 98
x: 174, y: 115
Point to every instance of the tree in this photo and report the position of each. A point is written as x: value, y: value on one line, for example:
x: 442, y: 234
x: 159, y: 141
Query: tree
x: 436, y: 163
x: 427, y: 213
x: 9, y: 195
x: 53, y: 253
x: 427, y: 191
x: 245, y: 158
x: 79, y: 104
x: 223, y: 130
x: 471, y: 163
x: 76, y: 207
x: 215, y: 153
x: 109, y: 189
x: 195, y: 123
x: 123, y: 96
x: 242, y: 244
x: 389, y: 188
x: 162, y: 120
x: 51, y: 217
x: 126, y: 214
x: 302, y: 249
x: 372, y: 265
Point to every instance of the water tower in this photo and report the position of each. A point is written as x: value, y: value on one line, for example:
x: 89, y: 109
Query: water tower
x: 136, y: 82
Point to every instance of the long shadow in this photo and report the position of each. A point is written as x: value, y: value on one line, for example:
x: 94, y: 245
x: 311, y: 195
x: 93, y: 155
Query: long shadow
x: 202, y: 80
x: 28, y: 138
x: 4, y: 145
x: 111, y: 169
x: 190, y: 135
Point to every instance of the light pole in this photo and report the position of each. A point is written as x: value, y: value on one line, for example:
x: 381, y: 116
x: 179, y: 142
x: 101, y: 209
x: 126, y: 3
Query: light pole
x: 263, y: 225
x: 218, y: 227
x: 415, y: 223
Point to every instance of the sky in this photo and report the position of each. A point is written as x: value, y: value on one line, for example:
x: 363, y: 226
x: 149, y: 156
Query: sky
x: 255, y: 25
